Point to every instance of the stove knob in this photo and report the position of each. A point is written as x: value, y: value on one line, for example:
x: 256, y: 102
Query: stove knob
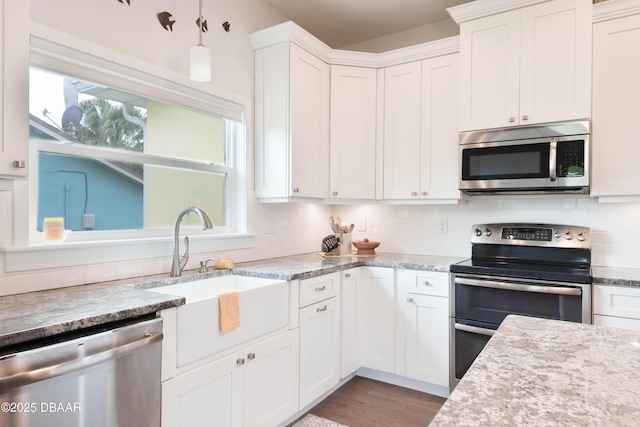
x: 556, y: 235
x: 582, y: 236
x: 568, y: 235
x: 487, y: 232
x: 477, y: 232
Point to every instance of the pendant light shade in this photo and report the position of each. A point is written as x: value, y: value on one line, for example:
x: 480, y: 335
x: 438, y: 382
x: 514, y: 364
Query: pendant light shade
x: 200, y: 64
x: 200, y: 56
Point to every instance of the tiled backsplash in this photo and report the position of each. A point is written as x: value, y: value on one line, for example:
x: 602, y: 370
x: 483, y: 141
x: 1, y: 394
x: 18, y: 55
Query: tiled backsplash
x: 289, y: 229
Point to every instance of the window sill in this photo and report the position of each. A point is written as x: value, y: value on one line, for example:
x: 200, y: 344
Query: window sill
x: 73, y: 254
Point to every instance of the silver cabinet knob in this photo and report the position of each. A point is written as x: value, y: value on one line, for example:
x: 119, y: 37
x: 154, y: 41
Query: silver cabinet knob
x: 251, y: 356
x: 409, y: 299
x: 414, y: 193
x: 512, y: 119
x: 240, y: 361
x: 347, y: 275
x: 423, y: 193
x: 525, y: 117
x: 19, y: 164
x: 335, y: 193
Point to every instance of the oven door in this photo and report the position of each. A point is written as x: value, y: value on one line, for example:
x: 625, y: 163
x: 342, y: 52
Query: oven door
x: 468, y: 338
x: 490, y: 299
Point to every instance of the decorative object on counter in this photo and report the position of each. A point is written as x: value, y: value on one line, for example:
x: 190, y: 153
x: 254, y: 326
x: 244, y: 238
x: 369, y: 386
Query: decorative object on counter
x: 330, y: 245
x: 343, y: 234
x: 365, y: 247
x: 224, y: 264
x: 54, y: 231
x: 229, y: 306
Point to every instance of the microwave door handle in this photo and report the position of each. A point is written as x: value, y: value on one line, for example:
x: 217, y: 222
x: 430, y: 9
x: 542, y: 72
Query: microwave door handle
x: 553, y: 150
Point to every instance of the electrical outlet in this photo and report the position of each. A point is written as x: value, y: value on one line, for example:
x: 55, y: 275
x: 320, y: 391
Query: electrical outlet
x: 268, y: 226
x: 362, y: 224
x: 443, y: 226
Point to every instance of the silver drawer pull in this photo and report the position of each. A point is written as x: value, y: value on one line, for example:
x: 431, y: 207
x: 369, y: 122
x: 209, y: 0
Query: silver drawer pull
x: 321, y: 288
x: 320, y: 309
x: 409, y: 299
x: 426, y: 283
x: 347, y: 275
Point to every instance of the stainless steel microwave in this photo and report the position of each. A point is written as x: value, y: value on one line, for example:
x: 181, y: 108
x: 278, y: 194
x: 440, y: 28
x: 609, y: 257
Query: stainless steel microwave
x: 531, y: 159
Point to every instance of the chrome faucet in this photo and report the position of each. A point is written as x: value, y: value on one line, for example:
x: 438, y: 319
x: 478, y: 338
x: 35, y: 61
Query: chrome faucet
x: 180, y: 261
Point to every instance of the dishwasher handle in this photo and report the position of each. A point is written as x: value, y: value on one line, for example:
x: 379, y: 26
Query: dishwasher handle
x: 26, y: 377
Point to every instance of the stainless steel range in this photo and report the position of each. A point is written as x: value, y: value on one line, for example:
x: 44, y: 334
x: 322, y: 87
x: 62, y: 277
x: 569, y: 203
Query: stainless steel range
x: 540, y: 270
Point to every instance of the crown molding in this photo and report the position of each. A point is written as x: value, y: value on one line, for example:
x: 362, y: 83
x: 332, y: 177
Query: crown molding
x: 613, y: 9
x: 479, y: 8
x: 293, y: 33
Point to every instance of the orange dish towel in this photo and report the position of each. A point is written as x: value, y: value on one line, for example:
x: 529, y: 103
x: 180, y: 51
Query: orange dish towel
x: 229, y: 307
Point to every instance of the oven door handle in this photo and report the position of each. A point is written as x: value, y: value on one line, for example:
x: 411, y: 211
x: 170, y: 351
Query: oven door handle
x: 557, y: 290
x: 474, y: 329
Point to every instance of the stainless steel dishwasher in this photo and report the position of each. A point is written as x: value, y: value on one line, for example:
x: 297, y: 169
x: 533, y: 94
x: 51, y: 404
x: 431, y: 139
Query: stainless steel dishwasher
x: 102, y: 376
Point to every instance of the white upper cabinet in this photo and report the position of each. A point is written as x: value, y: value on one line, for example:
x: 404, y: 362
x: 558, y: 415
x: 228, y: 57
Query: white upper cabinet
x: 421, y: 130
x: 353, y: 133
x: 292, y: 123
x: 616, y: 91
x: 402, y: 102
x: 14, y: 81
x: 526, y: 66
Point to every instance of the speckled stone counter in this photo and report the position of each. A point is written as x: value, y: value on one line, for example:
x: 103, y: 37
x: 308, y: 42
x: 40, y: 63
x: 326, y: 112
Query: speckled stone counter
x: 29, y: 316
x: 615, y: 276
x: 542, y: 372
x: 311, y: 265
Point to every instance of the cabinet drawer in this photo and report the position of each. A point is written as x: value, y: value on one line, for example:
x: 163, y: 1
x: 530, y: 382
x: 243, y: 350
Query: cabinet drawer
x: 424, y: 282
x: 620, y: 301
x: 617, y: 322
x: 319, y: 288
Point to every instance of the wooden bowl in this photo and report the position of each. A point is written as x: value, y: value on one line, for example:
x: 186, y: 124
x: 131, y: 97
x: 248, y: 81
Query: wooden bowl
x: 365, y: 248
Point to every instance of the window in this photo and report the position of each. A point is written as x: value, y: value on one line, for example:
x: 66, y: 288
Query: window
x: 112, y: 160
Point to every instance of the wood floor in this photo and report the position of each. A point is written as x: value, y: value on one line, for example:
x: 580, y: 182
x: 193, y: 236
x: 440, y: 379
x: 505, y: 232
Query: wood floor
x: 362, y: 402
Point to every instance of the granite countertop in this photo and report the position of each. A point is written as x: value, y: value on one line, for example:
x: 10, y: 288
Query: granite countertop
x: 29, y: 316
x: 549, y: 373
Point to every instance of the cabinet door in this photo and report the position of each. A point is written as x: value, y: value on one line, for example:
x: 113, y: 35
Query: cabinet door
x: 271, y: 380
x: 309, y: 111
x: 427, y: 338
x: 439, y: 134
x: 555, y: 67
x: 378, y: 325
x: 402, y: 102
x: 353, y: 133
x: 616, y: 91
x: 14, y: 82
x: 319, y: 349
x: 210, y: 395
x: 489, y: 70
x: 351, y: 319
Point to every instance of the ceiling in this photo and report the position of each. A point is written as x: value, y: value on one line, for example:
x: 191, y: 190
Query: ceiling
x: 339, y: 23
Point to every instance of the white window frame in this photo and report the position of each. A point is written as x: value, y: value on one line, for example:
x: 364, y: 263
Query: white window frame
x: 61, y: 53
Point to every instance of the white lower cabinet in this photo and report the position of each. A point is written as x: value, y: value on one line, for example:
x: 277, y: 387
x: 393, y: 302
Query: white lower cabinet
x: 254, y: 387
x: 319, y: 349
x: 378, y: 318
x: 423, y: 325
x: 351, y: 318
x: 616, y: 306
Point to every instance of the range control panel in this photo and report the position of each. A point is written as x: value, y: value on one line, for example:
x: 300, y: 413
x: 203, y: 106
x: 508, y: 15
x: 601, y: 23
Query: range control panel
x: 552, y: 235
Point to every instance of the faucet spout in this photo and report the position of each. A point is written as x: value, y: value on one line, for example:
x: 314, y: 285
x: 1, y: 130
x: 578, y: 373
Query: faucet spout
x: 180, y: 261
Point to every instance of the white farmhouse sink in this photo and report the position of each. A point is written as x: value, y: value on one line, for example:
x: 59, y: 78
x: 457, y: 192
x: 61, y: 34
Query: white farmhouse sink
x: 264, y: 308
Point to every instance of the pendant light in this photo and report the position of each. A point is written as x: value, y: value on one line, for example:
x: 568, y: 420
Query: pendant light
x: 200, y: 56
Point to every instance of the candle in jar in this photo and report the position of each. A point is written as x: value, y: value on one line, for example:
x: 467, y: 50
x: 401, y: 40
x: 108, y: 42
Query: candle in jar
x: 53, y: 228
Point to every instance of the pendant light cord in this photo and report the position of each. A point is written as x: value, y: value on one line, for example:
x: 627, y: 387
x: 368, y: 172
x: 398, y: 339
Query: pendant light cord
x: 200, y: 22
